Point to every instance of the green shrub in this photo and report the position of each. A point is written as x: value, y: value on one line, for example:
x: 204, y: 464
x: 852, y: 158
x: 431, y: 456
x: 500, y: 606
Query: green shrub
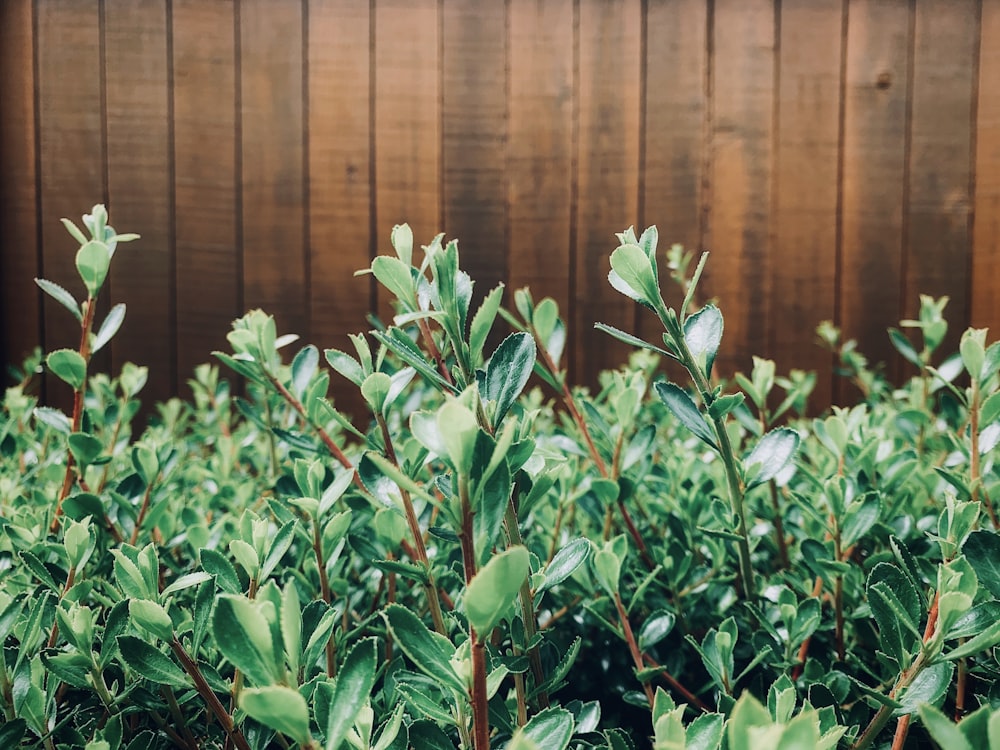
x: 495, y: 557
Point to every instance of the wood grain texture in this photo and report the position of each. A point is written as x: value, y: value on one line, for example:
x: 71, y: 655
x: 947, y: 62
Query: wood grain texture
x: 676, y: 110
x: 20, y: 306
x: 407, y: 124
x: 984, y: 293
x: 738, y: 236
x: 208, y: 280
x: 940, y: 158
x: 474, y: 134
x: 607, y: 193
x: 139, y: 190
x: 340, y: 179
x: 273, y: 186
x: 804, y: 283
x: 540, y: 149
x: 72, y: 158
x: 875, y: 129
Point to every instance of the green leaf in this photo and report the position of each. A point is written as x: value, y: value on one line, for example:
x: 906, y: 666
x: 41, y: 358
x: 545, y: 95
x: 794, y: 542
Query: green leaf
x: 929, y: 686
x: 703, y: 335
x: 458, y: 428
x: 85, y: 448
x: 772, y: 453
x: 987, y: 638
x: 904, y: 347
x: 631, y: 265
x: 631, y: 340
x: 943, y: 730
x: 218, y: 565
x: 607, y: 570
x: 277, y: 548
x: 550, y: 729
x: 145, y: 463
x: 243, y: 634
x: 68, y: 366
x: 61, y: 296
x: 982, y: 550
x: 375, y: 389
x: 656, y: 627
x: 280, y: 708
x: 354, y: 685
x: 860, y: 517
x: 110, y: 326
x: 493, y: 589
x: 431, y: 654
x: 186, y: 581
x: 684, y: 408
x: 482, y: 322
x: 705, y: 732
x: 508, y: 372
x: 151, y: 663
x: 92, y: 262
x: 346, y: 365
x: 153, y: 617
x: 565, y: 562
x: 395, y: 276
x: 748, y: 714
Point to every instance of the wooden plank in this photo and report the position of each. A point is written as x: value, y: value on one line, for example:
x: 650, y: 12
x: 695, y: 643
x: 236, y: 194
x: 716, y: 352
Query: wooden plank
x: 675, y: 136
x: 608, y: 177
x: 985, y: 282
x: 740, y: 176
x: 804, y: 260
x: 878, y: 44
x: 474, y: 126
x: 208, y: 280
x: 274, y: 259
x: 139, y: 190
x: 71, y: 172
x: 540, y: 159
x: 940, y: 160
x: 407, y: 124
x: 20, y: 309
x: 339, y: 177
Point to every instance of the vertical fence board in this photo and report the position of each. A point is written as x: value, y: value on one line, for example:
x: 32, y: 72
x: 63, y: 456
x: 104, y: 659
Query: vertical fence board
x: 72, y: 157
x: 205, y: 179
x: 739, y: 224
x: 540, y: 149
x: 608, y: 158
x: 937, y: 252
x: 339, y: 176
x: 474, y: 130
x: 806, y: 174
x: 139, y: 189
x: 984, y: 292
x: 274, y: 261
x: 20, y: 313
x: 407, y: 123
x: 878, y: 39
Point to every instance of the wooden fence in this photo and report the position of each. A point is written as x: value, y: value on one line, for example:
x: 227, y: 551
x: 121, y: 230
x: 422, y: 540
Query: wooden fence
x: 838, y: 158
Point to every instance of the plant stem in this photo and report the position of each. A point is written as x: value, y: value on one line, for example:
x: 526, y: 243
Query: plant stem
x: 430, y: 587
x: 225, y: 719
x: 779, y: 527
x: 633, y: 646
x: 480, y: 708
x: 675, y: 684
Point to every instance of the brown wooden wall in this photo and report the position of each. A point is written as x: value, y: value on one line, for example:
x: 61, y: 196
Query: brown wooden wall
x: 838, y: 157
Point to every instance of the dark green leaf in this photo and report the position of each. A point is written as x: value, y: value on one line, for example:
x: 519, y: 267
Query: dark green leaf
x: 218, y: 565
x: 861, y: 516
x: 565, y: 562
x: 631, y: 340
x: 151, y: 663
x: 656, y: 627
x: 508, y: 372
x: 904, y: 347
x: 429, y: 652
x: 982, y: 550
x: 929, y: 686
x: 354, y: 684
x: 684, y: 408
x: 550, y: 729
x: 243, y: 635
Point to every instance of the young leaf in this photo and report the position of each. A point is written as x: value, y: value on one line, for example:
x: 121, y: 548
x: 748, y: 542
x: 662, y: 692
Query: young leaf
x: 151, y: 663
x: 153, y: 617
x: 280, y: 708
x: 304, y: 367
x: 493, y: 589
x: 632, y: 266
x: 482, y: 323
x: 354, y: 685
x: 68, y: 366
x: 631, y: 340
x: 395, y: 276
x: 703, y: 335
x: 771, y: 454
x: 92, y: 262
x: 346, y: 365
x: 508, y: 372
x: 109, y: 327
x: 61, y: 296
x: 684, y: 408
